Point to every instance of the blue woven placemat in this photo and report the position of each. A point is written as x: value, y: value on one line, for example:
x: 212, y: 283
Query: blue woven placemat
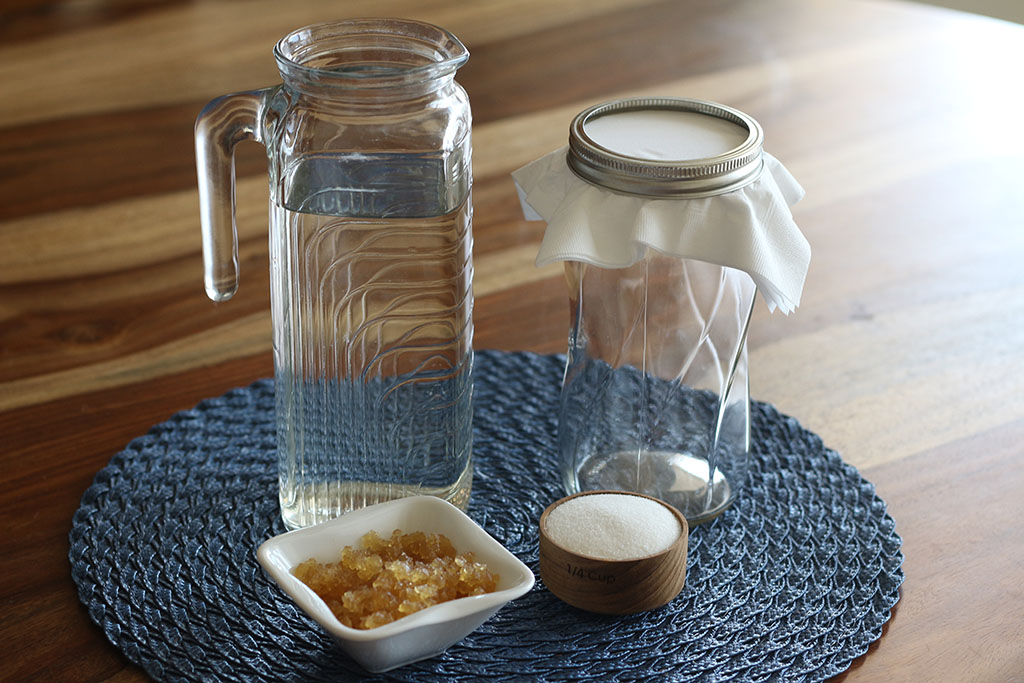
x: 792, y: 583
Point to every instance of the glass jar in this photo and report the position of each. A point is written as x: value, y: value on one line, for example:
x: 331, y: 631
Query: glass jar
x: 655, y: 396
x: 368, y: 146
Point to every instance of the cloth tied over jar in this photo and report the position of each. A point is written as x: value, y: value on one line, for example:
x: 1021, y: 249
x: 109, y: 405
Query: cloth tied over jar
x: 669, y: 217
x: 750, y: 229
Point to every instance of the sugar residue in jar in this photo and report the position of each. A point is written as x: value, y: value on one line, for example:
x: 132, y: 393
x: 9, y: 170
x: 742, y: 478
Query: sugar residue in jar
x: 387, y: 579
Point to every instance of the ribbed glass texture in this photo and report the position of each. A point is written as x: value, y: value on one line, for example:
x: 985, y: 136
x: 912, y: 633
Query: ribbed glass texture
x: 655, y: 395
x: 372, y: 360
x: 369, y: 159
x: 371, y: 259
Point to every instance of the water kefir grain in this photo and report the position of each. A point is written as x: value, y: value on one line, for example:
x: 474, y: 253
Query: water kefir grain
x: 612, y: 526
x: 387, y: 579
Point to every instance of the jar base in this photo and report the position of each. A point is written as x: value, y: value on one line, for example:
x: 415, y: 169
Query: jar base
x: 679, y: 479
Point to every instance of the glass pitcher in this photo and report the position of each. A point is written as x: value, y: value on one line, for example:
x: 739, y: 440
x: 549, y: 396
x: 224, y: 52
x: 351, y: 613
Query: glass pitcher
x: 368, y: 147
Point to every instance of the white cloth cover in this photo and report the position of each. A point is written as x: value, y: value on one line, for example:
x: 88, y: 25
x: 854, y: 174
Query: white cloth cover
x: 750, y: 229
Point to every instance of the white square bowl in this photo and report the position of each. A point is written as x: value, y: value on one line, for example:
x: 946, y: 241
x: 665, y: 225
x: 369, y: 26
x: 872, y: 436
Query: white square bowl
x: 422, y: 634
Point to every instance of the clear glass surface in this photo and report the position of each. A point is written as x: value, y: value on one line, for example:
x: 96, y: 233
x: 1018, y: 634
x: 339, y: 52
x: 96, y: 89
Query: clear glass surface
x: 655, y: 394
x: 368, y: 145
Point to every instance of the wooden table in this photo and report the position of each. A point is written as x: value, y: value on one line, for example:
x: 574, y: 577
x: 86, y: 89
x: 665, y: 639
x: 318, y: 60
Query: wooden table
x: 906, y: 355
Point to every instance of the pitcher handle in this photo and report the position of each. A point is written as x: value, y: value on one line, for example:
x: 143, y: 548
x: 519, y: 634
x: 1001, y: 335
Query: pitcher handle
x: 221, y: 125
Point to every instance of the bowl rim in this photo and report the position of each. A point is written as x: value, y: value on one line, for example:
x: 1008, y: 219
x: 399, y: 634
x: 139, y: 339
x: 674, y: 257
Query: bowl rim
x: 268, y: 555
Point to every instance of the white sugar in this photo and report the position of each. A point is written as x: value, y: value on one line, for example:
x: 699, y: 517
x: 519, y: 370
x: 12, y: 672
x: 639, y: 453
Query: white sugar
x: 612, y: 526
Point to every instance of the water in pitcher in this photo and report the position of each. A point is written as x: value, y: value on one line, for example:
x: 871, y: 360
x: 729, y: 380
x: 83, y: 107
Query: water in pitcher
x: 372, y: 305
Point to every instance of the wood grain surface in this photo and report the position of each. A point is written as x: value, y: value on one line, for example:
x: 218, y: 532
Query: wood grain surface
x: 906, y: 354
